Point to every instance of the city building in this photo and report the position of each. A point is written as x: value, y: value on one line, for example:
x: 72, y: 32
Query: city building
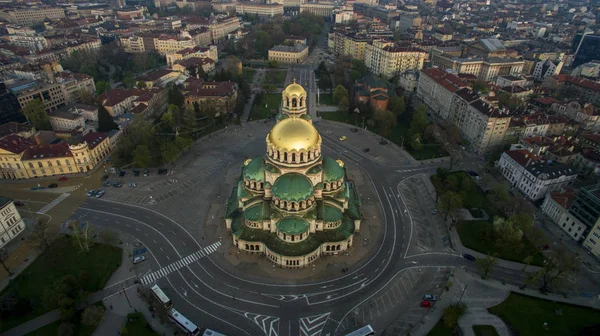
x: 219, y: 95
x: 27, y: 16
x: 587, y: 115
x: 587, y: 49
x: 387, y: 60
x: 486, y: 69
x: 349, y: 45
x: 366, y: 12
x: 185, y: 65
x: 158, y: 77
x: 482, y: 125
x: 267, y: 10
x: 201, y: 52
x: 587, y: 90
x: 436, y: 90
x: 11, y: 110
x: 11, y: 223
x: 373, y: 92
x: 545, y: 69
x: 219, y: 26
x: 32, y: 42
x: 284, y: 54
x: 318, y: 8
x: 489, y: 47
x: 532, y: 176
x: 592, y: 241
x: 146, y: 102
x: 61, y: 120
x: 293, y: 205
x: 556, y: 205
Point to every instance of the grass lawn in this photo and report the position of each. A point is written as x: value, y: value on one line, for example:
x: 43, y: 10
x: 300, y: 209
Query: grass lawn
x: 138, y: 326
x: 326, y: 99
x: 484, y: 330
x: 248, y: 74
x: 60, y: 260
x: 265, y: 105
x: 275, y: 77
x: 80, y: 328
x: 440, y: 330
x: 474, y: 198
x: 399, y: 136
x: 470, y: 233
x: 527, y: 315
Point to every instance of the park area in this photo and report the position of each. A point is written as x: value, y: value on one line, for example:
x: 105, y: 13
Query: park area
x: 275, y: 77
x: 138, y: 326
x: 326, y: 99
x: 265, y: 105
x: 248, y: 74
x: 532, y: 316
x: 60, y: 271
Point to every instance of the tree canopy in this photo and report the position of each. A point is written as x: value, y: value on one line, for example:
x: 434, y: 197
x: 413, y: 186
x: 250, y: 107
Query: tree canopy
x: 36, y: 114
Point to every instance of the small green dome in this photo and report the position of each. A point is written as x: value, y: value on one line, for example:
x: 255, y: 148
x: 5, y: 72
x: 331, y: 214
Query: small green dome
x: 293, y: 187
x: 329, y: 213
x: 306, y: 117
x: 281, y: 116
x: 292, y: 225
x: 255, y: 169
x: 331, y: 170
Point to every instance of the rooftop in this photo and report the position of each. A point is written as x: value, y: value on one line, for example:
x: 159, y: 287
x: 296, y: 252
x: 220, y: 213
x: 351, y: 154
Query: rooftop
x: 295, y: 48
x: 449, y: 81
x: 15, y: 144
x: 35, y: 152
x: 14, y: 127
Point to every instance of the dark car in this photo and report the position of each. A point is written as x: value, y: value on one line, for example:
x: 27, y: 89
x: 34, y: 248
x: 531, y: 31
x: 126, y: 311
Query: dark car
x: 19, y: 203
x: 354, y: 129
x: 469, y: 257
x: 53, y: 185
x: 104, y: 177
x: 366, y: 150
x: 146, y: 172
x: 162, y: 171
x: 122, y: 173
x: 472, y: 173
x: 136, y: 173
x: 117, y: 185
x: 383, y: 142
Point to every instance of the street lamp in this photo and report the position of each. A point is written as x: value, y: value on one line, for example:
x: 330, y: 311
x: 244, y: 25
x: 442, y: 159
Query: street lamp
x: 463, y: 293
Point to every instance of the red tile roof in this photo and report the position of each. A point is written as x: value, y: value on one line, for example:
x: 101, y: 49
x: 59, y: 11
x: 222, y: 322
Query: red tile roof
x: 584, y: 83
x: 564, y: 199
x: 592, y: 137
x: 198, y: 88
x: 539, y: 140
x: 545, y: 100
x: 449, y: 81
x: 522, y: 156
x: 15, y: 144
x: 154, y: 75
x: 195, y: 61
x: 36, y: 152
x: 93, y: 139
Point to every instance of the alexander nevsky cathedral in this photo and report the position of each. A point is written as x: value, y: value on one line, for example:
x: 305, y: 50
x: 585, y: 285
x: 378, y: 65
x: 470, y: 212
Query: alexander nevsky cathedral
x: 293, y: 205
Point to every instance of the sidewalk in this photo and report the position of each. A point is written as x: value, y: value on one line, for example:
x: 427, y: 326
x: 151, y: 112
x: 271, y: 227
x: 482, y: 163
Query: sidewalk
x: 113, y: 295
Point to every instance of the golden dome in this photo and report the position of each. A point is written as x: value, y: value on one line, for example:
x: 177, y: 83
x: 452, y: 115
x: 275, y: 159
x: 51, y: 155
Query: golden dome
x: 294, y: 89
x: 294, y: 134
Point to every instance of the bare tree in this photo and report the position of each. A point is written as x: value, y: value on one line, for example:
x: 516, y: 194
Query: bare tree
x: 42, y: 234
x: 485, y: 265
x: 3, y: 258
x: 82, y: 236
x: 560, y: 264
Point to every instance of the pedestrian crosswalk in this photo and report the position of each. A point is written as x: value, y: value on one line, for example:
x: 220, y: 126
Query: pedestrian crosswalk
x: 154, y: 276
x: 52, y: 204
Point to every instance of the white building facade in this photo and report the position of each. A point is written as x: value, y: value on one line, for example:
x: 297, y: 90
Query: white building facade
x: 11, y: 223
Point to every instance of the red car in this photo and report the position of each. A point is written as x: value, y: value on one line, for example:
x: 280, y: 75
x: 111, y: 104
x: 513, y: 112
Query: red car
x: 426, y: 304
x: 63, y: 178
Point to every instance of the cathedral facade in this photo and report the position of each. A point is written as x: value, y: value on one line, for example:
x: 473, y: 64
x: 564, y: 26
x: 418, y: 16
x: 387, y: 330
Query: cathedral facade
x: 293, y: 205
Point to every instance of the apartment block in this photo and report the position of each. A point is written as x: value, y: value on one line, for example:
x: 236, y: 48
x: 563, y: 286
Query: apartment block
x: 196, y: 52
x: 556, y: 205
x: 27, y: 16
x: 295, y: 54
x: 388, y: 60
x: 260, y: 9
x: 487, y: 69
x: 436, y: 90
x: 349, y: 45
x: 324, y: 9
x: 11, y: 223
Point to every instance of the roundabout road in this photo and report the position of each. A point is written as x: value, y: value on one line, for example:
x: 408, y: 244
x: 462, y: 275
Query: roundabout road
x: 218, y: 299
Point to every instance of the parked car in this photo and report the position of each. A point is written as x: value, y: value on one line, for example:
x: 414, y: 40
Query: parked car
x: 472, y: 173
x: 426, y: 304
x: 469, y: 257
x: 136, y: 173
x: 146, y: 172
x: 162, y: 171
x: 429, y: 297
x: 19, y: 203
x: 463, y: 147
x: 117, y: 185
x: 122, y: 173
x: 52, y: 185
x: 354, y: 129
x: 63, y: 178
x: 434, y: 211
x: 366, y: 150
x: 343, y: 138
x: 113, y: 170
x: 100, y: 193
x: 90, y: 193
x: 383, y: 142
x: 107, y: 184
x: 138, y: 259
x: 104, y: 177
x: 132, y: 185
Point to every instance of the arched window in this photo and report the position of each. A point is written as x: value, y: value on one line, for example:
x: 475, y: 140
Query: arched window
x: 247, y: 247
x: 293, y: 157
x: 301, y: 157
x: 294, y: 102
x: 327, y: 248
x: 339, y: 247
x: 285, y: 156
x: 301, y: 101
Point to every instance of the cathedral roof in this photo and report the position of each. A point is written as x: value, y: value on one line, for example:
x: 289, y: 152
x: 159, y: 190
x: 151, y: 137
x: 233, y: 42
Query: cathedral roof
x: 294, y: 134
x: 293, y: 187
x: 332, y: 170
x: 292, y: 225
x: 294, y: 89
x: 255, y: 169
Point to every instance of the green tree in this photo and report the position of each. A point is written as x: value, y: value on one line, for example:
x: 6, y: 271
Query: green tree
x: 485, y: 265
x: 506, y: 234
x: 128, y: 80
x: 42, y: 236
x: 102, y: 86
x: 397, y: 105
x: 142, y: 157
x: 108, y: 237
x: 92, y: 315
x: 105, y: 120
x: 415, y: 142
x: 339, y: 93
x: 452, y: 314
x: 36, y: 114
x: 170, y: 152
x: 343, y: 105
x: 183, y: 142
x: 418, y: 121
x: 450, y: 204
x: 3, y: 258
x: 559, y: 265
x: 273, y: 64
x: 66, y: 329
x: 360, y: 66
x: 522, y: 221
x: 174, y: 96
x: 200, y: 72
x: 141, y: 85
x: 386, y: 120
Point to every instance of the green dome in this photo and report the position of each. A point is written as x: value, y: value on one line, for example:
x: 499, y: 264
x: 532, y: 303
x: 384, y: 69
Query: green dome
x: 281, y: 116
x: 306, y: 117
x: 292, y: 187
x: 257, y: 212
x: 331, y: 170
x: 329, y: 213
x: 255, y: 170
x: 292, y: 225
